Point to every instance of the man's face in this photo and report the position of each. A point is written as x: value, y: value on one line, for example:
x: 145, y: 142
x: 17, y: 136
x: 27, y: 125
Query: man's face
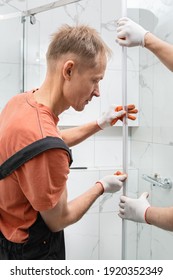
x: 84, y: 84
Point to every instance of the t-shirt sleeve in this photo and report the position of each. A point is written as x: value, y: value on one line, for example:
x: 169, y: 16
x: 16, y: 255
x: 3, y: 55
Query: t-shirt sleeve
x: 43, y: 178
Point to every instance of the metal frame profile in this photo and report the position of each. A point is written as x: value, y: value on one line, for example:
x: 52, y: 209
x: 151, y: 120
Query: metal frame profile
x: 47, y: 7
x: 37, y: 10
x: 125, y: 130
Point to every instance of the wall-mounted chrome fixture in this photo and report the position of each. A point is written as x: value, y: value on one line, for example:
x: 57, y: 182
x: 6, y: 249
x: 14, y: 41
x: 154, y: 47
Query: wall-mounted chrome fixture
x: 156, y: 180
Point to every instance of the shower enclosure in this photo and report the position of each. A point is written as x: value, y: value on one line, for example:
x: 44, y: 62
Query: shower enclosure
x: 25, y: 29
x: 151, y: 142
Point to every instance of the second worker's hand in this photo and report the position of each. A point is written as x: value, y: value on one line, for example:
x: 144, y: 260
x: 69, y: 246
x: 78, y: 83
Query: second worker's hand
x: 134, y: 209
x: 129, y: 33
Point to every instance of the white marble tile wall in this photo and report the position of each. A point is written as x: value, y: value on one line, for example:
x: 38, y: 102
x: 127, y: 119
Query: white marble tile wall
x: 151, y: 145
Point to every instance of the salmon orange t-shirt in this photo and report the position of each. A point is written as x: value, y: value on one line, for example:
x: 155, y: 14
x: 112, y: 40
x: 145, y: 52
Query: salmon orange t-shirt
x: 38, y: 184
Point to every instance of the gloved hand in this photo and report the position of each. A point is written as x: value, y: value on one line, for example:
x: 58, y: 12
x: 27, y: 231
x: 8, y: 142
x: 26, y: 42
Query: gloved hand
x: 112, y: 183
x: 134, y: 209
x: 114, y: 114
x: 129, y: 33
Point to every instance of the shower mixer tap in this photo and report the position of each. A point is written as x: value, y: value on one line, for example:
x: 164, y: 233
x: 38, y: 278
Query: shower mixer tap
x: 156, y: 180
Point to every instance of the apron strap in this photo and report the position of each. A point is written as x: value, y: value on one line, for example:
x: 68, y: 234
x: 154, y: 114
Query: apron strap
x: 30, y: 151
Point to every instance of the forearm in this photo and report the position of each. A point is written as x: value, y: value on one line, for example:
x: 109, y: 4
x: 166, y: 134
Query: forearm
x: 162, y: 49
x: 80, y: 205
x: 65, y: 214
x: 160, y: 217
x: 74, y: 136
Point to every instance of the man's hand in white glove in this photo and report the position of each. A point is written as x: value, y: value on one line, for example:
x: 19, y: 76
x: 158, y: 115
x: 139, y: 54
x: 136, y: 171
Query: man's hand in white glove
x: 112, y: 183
x: 129, y: 33
x: 116, y: 113
x: 134, y: 209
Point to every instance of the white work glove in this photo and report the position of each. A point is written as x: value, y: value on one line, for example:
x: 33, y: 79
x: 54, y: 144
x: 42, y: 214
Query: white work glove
x: 129, y: 33
x: 111, y: 116
x: 134, y: 209
x: 116, y: 113
x: 112, y: 183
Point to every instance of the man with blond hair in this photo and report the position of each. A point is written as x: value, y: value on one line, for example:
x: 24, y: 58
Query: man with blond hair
x: 33, y: 196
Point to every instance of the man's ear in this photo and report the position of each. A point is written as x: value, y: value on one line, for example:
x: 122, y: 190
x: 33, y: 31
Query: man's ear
x: 67, y: 69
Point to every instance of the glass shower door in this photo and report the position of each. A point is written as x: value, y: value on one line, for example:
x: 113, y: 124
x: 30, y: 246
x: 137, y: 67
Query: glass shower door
x: 151, y: 142
x: 10, y: 53
x: 34, y: 65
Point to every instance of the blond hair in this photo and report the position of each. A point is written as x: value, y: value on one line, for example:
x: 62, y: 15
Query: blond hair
x: 81, y: 40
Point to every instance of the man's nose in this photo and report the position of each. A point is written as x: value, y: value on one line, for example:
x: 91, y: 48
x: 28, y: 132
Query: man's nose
x: 96, y: 91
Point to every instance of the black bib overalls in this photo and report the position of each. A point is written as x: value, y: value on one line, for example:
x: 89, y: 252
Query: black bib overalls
x: 42, y: 244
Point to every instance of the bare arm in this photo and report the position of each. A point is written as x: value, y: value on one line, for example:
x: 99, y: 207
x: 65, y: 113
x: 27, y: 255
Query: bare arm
x: 139, y: 210
x: 131, y: 34
x: 74, y: 136
x: 162, y: 49
x: 160, y: 217
x: 65, y: 214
